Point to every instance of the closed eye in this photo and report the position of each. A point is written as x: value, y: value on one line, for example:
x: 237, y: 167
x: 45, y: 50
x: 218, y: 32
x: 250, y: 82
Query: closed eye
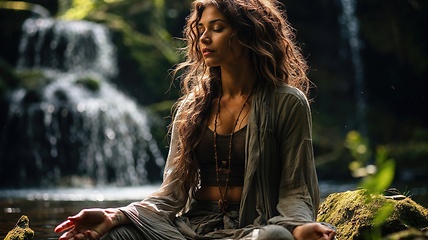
x: 218, y: 30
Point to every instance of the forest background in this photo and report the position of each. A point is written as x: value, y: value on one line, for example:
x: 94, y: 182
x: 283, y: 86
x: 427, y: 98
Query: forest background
x: 388, y: 108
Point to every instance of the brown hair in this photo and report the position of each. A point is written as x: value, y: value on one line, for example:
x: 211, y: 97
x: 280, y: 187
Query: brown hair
x: 262, y: 27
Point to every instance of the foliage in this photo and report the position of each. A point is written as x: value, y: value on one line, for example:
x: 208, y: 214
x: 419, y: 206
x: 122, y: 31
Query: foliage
x: 375, y: 178
x: 102, y: 11
x: 146, y: 48
x: 80, y: 9
x: 359, y: 149
x: 382, y: 179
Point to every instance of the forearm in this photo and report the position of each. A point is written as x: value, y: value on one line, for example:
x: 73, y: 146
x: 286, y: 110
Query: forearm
x: 117, y: 217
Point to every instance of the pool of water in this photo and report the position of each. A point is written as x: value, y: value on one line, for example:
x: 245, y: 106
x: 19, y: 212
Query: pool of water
x: 48, y: 207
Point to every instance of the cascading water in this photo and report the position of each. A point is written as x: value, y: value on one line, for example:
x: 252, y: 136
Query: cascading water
x: 72, y: 123
x: 350, y: 31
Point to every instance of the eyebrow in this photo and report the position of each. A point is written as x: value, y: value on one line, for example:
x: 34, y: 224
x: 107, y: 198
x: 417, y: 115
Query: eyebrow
x: 212, y: 21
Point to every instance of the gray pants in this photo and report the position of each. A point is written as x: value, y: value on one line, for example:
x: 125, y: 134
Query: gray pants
x: 202, y: 221
x: 269, y: 232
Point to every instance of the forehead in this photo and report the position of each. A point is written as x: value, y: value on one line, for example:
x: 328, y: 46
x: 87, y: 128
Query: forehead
x: 210, y: 14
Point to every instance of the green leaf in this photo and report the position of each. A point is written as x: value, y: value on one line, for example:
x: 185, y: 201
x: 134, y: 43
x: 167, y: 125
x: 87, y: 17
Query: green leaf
x: 383, y: 213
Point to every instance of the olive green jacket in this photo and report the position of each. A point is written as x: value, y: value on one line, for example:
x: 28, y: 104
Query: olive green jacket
x: 280, y: 182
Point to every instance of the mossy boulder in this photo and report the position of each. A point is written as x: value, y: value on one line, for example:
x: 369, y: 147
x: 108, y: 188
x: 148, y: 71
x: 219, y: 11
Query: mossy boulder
x: 90, y: 83
x: 21, y: 231
x: 361, y: 215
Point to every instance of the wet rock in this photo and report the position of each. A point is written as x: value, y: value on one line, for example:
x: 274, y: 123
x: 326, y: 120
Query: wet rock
x: 356, y: 216
x: 21, y: 231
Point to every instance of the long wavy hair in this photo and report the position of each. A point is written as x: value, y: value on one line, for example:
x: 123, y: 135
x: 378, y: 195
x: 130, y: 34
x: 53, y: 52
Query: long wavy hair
x: 259, y: 25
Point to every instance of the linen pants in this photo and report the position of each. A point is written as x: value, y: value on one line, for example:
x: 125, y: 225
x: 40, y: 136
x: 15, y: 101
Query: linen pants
x: 203, y: 221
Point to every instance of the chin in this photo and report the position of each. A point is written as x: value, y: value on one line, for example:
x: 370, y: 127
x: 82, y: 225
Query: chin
x: 209, y: 63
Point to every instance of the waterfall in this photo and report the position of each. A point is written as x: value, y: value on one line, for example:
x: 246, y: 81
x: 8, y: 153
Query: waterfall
x: 350, y: 31
x: 66, y: 47
x: 72, y: 125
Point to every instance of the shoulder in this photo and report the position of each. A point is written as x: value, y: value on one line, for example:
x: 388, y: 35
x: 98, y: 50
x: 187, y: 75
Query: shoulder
x: 184, y: 103
x: 287, y: 94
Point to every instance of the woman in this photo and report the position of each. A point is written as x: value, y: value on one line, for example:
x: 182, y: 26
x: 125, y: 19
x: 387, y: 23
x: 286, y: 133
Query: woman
x: 240, y: 164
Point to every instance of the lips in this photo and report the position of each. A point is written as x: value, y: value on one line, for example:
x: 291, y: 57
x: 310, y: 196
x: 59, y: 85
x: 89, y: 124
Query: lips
x: 207, y: 51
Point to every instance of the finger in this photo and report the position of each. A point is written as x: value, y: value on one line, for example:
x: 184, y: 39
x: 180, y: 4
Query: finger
x: 64, y: 226
x: 329, y: 235
x: 80, y: 236
x: 324, y: 232
x: 74, y: 218
x: 68, y: 235
x: 79, y: 215
x: 92, y: 234
x: 324, y: 229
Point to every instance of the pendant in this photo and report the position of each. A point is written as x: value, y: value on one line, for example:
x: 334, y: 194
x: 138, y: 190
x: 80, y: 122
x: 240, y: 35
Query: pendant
x: 223, y: 163
x: 223, y: 205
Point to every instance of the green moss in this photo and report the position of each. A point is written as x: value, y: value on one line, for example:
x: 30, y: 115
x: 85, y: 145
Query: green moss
x: 21, y: 231
x: 89, y: 83
x: 8, y: 77
x: 356, y: 214
x: 409, y: 234
x: 33, y: 79
x: 412, y: 214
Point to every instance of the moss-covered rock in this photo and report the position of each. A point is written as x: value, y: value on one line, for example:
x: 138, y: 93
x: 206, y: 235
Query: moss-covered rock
x: 21, y: 231
x: 89, y: 83
x: 409, y: 234
x: 359, y: 214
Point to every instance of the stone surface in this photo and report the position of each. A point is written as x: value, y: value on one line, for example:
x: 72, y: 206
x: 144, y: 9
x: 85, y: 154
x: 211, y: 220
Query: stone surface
x: 356, y: 215
x: 21, y: 231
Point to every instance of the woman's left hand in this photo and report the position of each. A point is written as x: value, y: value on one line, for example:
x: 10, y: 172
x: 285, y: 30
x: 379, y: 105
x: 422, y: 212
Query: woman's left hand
x: 313, y: 231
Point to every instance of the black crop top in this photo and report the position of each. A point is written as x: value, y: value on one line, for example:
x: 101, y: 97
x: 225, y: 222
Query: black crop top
x: 205, y: 154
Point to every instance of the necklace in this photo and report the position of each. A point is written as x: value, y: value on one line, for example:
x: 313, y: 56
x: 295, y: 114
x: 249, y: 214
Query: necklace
x: 222, y: 202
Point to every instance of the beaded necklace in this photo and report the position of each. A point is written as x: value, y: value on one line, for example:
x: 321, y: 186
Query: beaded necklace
x: 222, y: 202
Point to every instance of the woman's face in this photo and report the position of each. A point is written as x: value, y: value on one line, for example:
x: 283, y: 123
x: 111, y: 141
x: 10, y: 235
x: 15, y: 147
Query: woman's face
x: 218, y: 47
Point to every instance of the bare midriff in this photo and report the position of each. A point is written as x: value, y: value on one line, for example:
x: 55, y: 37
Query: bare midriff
x: 212, y: 193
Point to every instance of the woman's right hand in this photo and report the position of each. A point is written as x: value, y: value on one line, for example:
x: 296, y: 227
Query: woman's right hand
x: 89, y: 224
x: 314, y: 231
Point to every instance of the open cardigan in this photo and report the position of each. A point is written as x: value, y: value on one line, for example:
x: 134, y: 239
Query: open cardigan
x: 280, y: 182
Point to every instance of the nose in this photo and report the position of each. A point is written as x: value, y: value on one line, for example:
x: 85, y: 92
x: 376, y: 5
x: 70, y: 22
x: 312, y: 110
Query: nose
x: 205, y: 39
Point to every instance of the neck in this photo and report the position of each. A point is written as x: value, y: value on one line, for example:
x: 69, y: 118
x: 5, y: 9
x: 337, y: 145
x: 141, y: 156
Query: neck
x: 238, y: 81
